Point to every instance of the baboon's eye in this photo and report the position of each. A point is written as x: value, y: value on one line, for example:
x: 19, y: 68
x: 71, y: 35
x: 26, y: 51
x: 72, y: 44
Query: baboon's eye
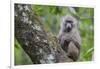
x: 69, y: 21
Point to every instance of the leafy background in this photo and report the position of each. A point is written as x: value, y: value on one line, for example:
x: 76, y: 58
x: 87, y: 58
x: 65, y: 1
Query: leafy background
x: 50, y: 17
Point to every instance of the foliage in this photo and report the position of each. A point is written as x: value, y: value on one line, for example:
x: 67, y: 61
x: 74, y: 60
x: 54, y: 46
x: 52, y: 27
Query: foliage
x: 50, y: 17
x: 21, y: 58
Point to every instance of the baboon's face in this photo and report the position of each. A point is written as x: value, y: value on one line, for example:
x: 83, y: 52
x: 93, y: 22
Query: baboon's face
x: 69, y: 23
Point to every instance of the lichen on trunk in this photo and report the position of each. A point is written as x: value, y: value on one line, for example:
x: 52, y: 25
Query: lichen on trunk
x: 31, y: 35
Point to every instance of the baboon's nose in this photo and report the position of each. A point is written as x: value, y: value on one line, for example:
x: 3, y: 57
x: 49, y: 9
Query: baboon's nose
x: 68, y: 27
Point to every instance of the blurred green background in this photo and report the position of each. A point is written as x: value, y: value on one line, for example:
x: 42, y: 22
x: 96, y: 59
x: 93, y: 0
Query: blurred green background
x: 50, y: 16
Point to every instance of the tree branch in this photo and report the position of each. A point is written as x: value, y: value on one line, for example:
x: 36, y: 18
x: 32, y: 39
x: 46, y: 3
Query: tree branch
x: 29, y: 32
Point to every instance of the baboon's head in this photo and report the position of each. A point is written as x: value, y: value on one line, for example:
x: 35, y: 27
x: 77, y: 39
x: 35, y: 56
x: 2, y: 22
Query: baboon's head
x: 68, y: 23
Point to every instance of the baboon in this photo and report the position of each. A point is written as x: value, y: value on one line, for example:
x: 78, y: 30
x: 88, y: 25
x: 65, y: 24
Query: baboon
x: 69, y: 37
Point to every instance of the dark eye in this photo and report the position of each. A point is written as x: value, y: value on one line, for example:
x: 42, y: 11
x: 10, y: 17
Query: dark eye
x: 65, y: 24
x: 69, y: 21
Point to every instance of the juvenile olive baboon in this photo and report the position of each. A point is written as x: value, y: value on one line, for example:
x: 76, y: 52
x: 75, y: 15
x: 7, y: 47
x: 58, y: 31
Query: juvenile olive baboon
x: 69, y: 37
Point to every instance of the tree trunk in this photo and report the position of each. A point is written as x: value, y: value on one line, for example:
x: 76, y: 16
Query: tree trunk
x: 31, y: 35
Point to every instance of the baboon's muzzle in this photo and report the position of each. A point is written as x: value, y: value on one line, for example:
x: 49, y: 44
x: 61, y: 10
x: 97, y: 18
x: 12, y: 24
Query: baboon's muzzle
x: 68, y: 27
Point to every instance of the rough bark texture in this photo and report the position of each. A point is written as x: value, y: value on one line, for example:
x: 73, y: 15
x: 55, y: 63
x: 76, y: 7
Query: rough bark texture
x: 29, y: 32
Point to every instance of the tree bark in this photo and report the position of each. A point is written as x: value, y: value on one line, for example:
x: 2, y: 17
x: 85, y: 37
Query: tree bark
x: 31, y: 35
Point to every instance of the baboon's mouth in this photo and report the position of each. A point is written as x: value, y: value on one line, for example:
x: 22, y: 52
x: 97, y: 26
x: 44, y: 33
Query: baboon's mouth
x: 68, y: 29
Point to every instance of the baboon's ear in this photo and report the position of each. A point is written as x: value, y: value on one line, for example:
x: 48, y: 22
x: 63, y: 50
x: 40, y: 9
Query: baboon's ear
x: 62, y: 18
